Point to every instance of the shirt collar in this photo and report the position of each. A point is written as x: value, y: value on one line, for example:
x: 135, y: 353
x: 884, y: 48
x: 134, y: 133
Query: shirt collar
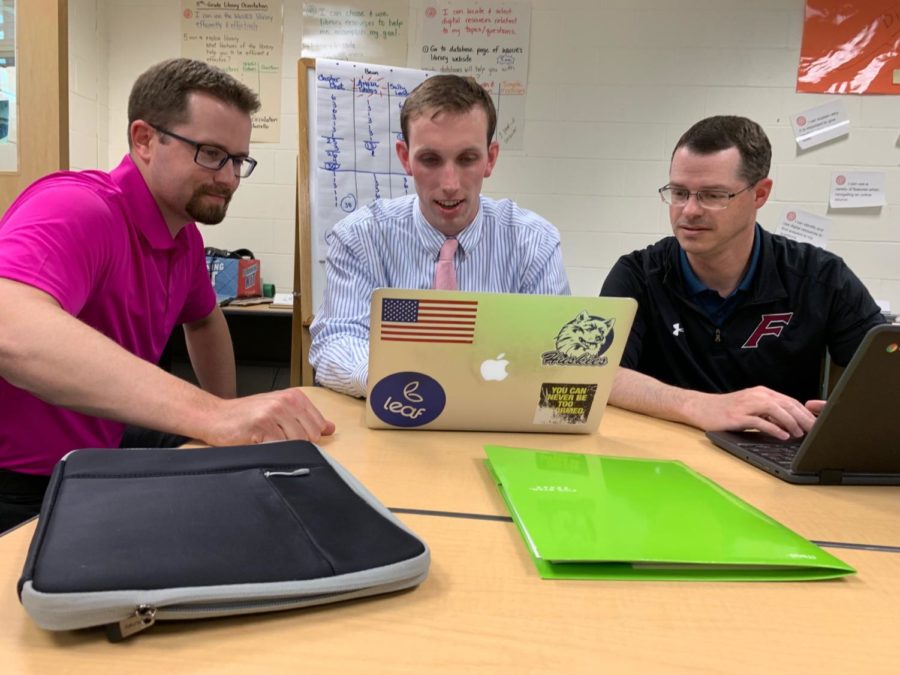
x: 432, y: 239
x: 695, y: 286
x: 140, y: 207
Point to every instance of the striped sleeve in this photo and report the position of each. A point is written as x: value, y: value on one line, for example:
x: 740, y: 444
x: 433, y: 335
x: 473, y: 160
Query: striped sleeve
x: 340, y: 332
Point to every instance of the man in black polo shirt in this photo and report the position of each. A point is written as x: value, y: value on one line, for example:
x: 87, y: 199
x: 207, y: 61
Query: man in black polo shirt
x: 732, y: 321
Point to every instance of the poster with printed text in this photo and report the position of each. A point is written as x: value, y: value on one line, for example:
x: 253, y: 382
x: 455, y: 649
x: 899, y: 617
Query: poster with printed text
x: 804, y: 226
x: 821, y: 124
x: 489, y: 41
x: 857, y: 189
x: 243, y: 38
x: 364, y: 31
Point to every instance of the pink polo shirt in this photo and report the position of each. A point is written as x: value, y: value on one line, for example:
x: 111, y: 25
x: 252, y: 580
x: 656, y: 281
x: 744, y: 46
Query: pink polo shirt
x: 98, y: 243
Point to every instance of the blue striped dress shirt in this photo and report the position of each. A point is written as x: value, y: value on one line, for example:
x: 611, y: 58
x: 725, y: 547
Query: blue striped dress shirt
x: 389, y: 244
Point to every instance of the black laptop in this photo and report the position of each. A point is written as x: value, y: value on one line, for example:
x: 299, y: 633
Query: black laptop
x: 856, y: 440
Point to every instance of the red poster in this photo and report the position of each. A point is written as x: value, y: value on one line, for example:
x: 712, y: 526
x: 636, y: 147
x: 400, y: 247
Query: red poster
x: 850, y: 47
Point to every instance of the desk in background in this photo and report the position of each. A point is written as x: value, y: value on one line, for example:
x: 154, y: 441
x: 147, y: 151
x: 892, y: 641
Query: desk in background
x: 262, y: 340
x: 483, y: 607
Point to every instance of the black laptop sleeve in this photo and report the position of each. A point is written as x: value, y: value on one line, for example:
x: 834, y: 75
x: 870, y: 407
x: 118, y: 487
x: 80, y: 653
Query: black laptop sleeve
x: 126, y: 538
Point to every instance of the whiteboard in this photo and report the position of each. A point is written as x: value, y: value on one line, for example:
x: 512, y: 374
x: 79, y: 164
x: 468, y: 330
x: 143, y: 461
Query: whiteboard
x: 354, y: 123
x: 349, y: 122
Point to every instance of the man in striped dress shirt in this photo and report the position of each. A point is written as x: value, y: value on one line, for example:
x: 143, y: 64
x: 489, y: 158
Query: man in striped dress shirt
x: 448, y: 124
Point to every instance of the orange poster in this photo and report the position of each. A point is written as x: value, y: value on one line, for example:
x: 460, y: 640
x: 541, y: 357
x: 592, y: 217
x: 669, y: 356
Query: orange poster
x: 850, y: 47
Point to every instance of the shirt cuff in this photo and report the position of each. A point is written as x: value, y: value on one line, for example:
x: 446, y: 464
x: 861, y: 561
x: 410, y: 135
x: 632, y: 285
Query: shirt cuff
x: 360, y: 377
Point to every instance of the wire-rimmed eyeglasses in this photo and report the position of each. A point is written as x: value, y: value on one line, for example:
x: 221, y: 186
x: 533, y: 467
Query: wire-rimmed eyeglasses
x: 212, y: 157
x: 708, y: 199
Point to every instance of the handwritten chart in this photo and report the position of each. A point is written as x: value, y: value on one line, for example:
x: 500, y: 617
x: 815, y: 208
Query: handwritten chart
x: 357, y: 127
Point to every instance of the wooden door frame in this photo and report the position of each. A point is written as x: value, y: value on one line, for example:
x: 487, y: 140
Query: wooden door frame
x: 42, y: 82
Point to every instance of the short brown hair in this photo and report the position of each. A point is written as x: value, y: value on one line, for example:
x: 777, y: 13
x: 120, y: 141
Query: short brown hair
x: 160, y: 95
x: 721, y: 132
x: 447, y: 93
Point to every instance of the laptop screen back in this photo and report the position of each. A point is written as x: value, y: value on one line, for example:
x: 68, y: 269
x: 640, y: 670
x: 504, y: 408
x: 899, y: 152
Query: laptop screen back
x: 492, y: 361
x: 860, y: 423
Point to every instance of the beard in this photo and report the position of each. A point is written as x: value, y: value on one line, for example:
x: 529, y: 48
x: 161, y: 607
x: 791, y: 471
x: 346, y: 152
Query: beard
x: 208, y: 213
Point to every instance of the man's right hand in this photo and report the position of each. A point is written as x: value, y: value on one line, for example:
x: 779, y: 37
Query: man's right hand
x: 286, y: 414
x: 755, y: 408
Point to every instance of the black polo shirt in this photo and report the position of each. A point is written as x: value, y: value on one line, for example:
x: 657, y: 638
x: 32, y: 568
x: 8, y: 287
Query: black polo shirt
x: 801, y: 301
x: 716, y: 307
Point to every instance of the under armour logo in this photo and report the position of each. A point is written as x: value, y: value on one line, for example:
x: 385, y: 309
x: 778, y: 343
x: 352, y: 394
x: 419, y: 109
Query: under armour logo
x: 769, y: 324
x: 677, y: 329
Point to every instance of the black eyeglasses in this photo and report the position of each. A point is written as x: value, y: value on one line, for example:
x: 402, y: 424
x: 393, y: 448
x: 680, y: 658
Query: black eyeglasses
x: 212, y: 157
x: 709, y: 199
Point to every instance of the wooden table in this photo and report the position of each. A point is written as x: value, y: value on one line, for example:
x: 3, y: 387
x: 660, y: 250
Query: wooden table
x: 483, y: 607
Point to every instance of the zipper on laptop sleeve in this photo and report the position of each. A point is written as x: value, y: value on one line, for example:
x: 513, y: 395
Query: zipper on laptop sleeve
x: 145, y: 616
x: 206, y: 609
x: 141, y: 619
x: 297, y: 472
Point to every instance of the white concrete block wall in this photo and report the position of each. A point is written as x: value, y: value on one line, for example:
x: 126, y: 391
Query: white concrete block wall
x: 631, y: 72
x: 612, y: 85
x: 88, y: 85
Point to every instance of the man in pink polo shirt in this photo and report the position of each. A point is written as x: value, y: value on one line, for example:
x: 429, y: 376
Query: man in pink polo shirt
x: 96, y: 269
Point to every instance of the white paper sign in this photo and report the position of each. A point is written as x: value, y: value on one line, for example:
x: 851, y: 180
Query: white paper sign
x: 489, y: 40
x: 857, y: 189
x: 356, y: 31
x: 244, y: 40
x: 804, y: 226
x: 815, y: 126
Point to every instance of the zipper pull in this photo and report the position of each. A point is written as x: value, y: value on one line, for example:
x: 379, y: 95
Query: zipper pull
x: 143, y: 617
x: 718, y: 335
x: 297, y: 472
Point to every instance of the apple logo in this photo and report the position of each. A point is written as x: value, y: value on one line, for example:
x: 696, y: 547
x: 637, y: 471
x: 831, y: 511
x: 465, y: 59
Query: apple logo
x: 495, y: 369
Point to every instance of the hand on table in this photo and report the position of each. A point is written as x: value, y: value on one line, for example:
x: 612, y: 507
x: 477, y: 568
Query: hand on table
x: 281, y: 415
x: 756, y: 408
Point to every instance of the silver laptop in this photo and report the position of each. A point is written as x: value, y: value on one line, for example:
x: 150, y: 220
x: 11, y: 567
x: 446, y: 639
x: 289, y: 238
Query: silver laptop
x: 493, y: 361
x: 856, y: 440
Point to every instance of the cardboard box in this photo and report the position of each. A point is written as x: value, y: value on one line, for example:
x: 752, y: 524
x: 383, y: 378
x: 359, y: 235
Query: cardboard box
x: 235, y: 277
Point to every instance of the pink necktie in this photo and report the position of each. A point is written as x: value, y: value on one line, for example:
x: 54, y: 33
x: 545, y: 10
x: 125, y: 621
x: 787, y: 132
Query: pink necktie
x: 444, y: 272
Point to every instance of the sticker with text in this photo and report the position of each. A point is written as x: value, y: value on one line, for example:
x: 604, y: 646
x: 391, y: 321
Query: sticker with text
x: 582, y: 342
x: 564, y: 403
x: 407, y: 399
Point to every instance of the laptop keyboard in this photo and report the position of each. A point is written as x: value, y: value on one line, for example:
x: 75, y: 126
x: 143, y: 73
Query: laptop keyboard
x: 782, y: 454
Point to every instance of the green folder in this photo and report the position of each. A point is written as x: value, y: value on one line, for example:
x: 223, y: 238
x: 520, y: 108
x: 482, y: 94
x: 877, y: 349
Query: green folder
x: 596, y: 517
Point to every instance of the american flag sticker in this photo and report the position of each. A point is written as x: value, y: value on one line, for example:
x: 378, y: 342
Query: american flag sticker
x: 447, y: 321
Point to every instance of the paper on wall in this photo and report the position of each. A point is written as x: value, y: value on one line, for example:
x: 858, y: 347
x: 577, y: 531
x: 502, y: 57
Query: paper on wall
x: 357, y: 127
x: 244, y: 40
x: 820, y: 124
x: 373, y: 31
x: 489, y: 41
x: 857, y: 189
x: 804, y: 226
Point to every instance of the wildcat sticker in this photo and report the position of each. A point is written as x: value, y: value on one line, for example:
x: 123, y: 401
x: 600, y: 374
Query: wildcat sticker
x: 581, y: 342
x: 564, y: 403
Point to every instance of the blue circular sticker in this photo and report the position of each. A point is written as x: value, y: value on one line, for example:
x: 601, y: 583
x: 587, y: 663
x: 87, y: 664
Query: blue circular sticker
x: 407, y: 399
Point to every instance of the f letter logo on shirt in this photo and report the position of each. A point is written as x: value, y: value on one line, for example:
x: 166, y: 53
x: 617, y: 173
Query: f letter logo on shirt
x: 769, y: 324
